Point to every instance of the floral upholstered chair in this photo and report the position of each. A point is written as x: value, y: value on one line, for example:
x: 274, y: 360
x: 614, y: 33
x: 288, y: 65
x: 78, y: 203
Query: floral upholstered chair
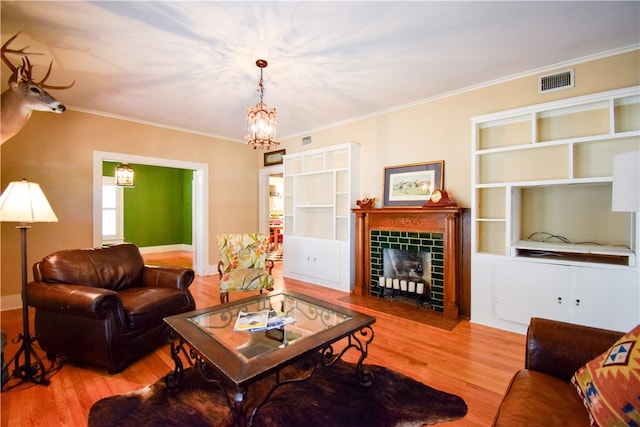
x: 243, y: 263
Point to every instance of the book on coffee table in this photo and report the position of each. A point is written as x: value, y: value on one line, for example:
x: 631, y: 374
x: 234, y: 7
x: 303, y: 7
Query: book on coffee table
x: 248, y: 321
x: 261, y: 320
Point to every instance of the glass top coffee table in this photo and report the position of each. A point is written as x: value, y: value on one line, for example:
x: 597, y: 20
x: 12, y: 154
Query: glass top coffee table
x: 321, y: 332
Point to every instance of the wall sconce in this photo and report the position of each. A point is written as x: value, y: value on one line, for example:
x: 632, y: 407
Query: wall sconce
x: 124, y: 175
x: 625, y: 195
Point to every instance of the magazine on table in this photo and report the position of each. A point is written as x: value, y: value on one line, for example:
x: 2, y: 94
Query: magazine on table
x: 264, y: 320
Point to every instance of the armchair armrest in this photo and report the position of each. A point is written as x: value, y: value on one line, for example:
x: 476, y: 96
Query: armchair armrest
x: 167, y: 277
x: 73, y: 299
x: 559, y: 348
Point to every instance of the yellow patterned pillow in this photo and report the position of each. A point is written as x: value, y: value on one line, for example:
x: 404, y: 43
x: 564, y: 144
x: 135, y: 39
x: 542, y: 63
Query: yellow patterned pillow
x: 609, y: 385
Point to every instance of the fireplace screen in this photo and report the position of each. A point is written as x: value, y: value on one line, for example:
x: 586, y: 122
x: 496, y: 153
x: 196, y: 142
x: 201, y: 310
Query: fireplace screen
x: 405, y: 265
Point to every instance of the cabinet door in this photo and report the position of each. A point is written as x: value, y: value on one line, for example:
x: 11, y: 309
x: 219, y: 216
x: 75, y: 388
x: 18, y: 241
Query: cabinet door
x: 524, y: 290
x: 605, y: 298
x: 295, y: 262
x: 316, y: 259
x: 323, y: 260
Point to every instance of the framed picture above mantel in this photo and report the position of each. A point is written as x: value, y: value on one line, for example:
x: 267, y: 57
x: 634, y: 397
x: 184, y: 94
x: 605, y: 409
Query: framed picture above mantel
x: 412, y: 185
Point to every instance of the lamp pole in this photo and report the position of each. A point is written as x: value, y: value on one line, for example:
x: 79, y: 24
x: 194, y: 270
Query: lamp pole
x: 29, y: 371
x: 25, y: 203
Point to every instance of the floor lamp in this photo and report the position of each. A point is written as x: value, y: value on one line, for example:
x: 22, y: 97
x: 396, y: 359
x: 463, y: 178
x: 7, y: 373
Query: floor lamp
x: 25, y: 203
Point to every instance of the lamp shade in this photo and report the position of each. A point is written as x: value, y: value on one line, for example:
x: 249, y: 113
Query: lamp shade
x: 24, y: 202
x: 626, y: 182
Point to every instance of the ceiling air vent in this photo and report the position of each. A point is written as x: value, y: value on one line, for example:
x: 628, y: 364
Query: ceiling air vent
x: 556, y: 81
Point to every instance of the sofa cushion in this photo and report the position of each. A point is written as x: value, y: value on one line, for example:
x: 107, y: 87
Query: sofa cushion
x: 609, y: 385
x: 147, y: 306
x: 537, y: 399
x: 116, y: 267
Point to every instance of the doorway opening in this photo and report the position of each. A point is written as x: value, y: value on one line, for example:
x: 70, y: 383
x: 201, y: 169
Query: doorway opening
x: 199, y: 201
x: 271, y: 209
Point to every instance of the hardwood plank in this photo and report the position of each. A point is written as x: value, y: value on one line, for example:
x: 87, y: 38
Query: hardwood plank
x: 473, y: 361
x: 406, y: 307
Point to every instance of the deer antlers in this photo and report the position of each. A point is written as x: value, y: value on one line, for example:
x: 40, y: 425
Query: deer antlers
x: 24, y: 72
x: 24, y: 95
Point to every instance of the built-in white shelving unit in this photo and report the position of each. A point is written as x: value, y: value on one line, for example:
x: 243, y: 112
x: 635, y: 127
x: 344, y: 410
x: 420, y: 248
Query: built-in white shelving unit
x: 321, y: 187
x: 544, y: 239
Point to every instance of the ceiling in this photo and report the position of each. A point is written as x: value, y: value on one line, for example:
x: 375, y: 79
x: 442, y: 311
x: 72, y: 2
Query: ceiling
x: 191, y: 65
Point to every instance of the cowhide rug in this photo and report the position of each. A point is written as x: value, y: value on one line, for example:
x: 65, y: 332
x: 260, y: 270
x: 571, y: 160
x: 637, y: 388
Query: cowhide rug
x: 331, y: 397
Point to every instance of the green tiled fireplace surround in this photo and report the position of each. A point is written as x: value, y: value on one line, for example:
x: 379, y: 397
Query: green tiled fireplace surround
x: 411, y: 242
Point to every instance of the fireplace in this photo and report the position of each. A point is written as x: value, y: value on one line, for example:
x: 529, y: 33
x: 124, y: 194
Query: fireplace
x: 407, y: 265
x: 432, y: 231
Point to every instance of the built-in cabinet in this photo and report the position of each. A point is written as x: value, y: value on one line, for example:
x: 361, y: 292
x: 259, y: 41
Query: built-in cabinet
x: 545, y: 241
x: 320, y: 188
x: 575, y: 294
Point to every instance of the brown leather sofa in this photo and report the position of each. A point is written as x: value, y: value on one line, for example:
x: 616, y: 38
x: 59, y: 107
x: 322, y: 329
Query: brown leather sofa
x: 104, y: 306
x: 541, y: 394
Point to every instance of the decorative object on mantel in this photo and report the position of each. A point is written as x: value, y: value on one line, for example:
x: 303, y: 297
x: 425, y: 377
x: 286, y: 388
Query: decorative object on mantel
x: 411, y: 185
x: 394, y: 399
x: 261, y: 120
x: 366, y: 203
x: 440, y: 199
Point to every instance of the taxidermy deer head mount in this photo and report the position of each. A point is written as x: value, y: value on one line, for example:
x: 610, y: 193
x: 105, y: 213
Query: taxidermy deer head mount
x: 24, y: 95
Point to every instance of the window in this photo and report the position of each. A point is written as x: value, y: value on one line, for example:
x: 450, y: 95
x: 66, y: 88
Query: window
x: 112, y: 212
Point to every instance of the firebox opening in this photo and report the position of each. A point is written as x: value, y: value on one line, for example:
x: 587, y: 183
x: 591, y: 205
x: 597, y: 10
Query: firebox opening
x: 406, y: 275
x: 405, y: 265
x: 418, y: 274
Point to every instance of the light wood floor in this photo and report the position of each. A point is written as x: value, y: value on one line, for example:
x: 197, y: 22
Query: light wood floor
x: 472, y: 361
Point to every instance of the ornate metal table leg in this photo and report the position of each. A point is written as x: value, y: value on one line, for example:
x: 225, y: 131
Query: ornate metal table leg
x: 279, y: 382
x: 173, y: 379
x: 238, y: 407
x: 364, y: 375
x: 361, y: 343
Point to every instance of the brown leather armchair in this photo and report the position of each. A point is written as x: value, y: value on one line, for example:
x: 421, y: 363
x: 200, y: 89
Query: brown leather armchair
x: 104, y: 306
x: 541, y: 394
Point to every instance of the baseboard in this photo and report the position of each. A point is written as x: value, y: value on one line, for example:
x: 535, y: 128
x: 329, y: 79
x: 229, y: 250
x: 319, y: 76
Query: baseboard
x: 10, y: 302
x: 166, y: 248
x: 210, y: 270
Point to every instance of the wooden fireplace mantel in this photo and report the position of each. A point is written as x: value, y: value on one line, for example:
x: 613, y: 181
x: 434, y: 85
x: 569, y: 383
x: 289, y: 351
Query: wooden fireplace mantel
x: 430, y: 220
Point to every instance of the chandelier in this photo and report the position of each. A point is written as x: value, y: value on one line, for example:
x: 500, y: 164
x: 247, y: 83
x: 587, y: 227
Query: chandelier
x: 261, y: 120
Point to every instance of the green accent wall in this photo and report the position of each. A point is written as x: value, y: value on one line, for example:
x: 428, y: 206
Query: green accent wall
x: 158, y: 210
